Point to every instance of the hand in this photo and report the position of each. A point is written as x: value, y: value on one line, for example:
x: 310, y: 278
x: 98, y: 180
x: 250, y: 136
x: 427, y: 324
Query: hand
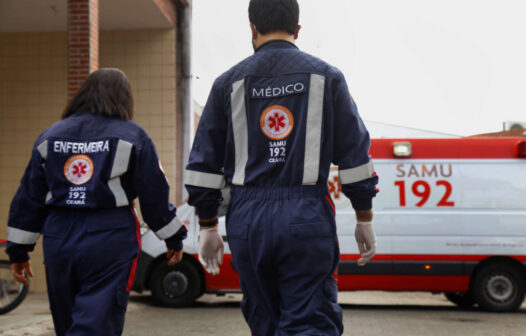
x: 19, y: 271
x: 366, y: 240
x: 211, y: 249
x: 174, y: 257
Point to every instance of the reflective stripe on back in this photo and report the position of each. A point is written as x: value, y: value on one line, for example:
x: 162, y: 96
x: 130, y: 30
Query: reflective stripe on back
x: 120, y: 166
x: 311, y: 162
x: 240, y: 131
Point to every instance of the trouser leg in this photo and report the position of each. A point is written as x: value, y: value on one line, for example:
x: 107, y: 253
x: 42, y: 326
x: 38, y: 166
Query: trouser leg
x: 260, y: 304
x: 261, y: 321
x: 60, y: 286
x: 309, y: 304
x: 100, y: 304
x: 306, y: 261
x: 104, y: 268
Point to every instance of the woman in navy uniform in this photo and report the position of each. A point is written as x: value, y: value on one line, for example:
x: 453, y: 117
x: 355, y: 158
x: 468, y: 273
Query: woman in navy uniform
x: 78, y: 191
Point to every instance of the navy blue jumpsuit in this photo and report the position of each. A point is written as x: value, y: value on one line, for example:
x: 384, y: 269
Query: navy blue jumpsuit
x: 77, y: 191
x: 271, y: 128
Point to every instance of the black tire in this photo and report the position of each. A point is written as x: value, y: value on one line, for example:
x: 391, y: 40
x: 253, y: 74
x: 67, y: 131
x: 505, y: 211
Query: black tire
x: 499, y: 287
x: 175, y: 286
x: 463, y: 300
x: 11, y: 292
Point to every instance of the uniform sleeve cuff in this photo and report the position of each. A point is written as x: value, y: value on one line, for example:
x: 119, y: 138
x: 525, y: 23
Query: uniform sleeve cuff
x: 19, y: 257
x: 206, y: 213
x: 175, y: 244
x: 18, y: 253
x: 362, y: 203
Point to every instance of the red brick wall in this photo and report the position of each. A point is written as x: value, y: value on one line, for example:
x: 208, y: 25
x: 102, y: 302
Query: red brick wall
x: 83, y: 42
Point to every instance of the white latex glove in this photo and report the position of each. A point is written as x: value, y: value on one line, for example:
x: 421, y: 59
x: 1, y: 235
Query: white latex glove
x: 366, y: 240
x: 211, y: 249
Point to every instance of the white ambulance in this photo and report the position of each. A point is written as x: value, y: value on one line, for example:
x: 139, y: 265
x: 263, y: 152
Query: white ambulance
x: 450, y: 217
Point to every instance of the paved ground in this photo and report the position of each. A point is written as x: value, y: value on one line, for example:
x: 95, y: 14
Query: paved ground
x: 365, y: 314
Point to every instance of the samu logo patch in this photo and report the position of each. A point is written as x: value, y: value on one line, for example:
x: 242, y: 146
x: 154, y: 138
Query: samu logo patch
x: 276, y: 122
x: 78, y: 169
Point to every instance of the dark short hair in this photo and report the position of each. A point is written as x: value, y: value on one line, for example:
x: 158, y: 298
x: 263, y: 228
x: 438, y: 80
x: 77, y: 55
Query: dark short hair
x: 271, y: 16
x: 106, y: 92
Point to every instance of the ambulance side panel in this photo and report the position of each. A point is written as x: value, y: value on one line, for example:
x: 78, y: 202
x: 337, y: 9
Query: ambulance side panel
x: 436, y: 217
x: 436, y: 220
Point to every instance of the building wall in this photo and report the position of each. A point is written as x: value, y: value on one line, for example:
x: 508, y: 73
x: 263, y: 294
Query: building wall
x: 33, y: 94
x: 148, y: 59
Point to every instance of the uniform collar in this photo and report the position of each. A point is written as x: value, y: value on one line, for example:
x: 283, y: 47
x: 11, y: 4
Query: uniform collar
x: 276, y: 44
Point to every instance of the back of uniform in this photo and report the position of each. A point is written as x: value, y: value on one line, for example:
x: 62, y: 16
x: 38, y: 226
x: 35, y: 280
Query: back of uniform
x: 78, y: 191
x: 271, y: 128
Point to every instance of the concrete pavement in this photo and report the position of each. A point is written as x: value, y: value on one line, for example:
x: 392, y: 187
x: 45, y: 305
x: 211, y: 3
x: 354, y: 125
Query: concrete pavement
x: 365, y: 314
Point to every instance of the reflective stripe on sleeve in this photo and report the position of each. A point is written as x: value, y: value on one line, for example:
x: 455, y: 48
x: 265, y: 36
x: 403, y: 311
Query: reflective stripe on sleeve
x: 206, y: 180
x: 311, y: 164
x: 169, y: 229
x: 21, y: 236
x: 356, y: 174
x: 42, y: 149
x: 240, y: 130
x: 120, y: 166
x: 49, y: 196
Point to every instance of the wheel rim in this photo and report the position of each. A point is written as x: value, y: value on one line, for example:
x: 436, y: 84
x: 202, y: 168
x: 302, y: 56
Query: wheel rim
x: 500, y: 288
x: 175, y: 284
x: 9, y: 288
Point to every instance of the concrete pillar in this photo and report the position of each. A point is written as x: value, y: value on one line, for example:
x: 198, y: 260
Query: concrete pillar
x: 83, y: 42
x: 183, y: 133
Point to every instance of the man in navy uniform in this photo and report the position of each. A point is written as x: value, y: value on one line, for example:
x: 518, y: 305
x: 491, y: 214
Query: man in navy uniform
x: 271, y: 128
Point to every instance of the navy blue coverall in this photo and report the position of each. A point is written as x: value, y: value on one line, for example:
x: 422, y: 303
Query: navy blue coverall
x: 77, y: 191
x: 271, y: 128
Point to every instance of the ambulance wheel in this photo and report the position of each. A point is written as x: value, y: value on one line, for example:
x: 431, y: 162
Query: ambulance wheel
x: 463, y: 300
x: 175, y: 286
x: 499, y: 287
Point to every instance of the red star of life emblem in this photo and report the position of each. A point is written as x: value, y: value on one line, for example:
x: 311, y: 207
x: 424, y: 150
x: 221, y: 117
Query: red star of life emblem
x: 79, y: 169
x: 335, y: 187
x: 276, y: 122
